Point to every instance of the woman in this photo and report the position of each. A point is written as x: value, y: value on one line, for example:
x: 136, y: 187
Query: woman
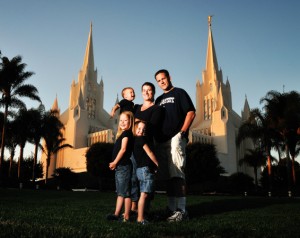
x: 149, y: 112
x: 152, y: 115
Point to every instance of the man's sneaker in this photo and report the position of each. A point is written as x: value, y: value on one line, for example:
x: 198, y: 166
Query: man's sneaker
x: 112, y: 217
x: 178, y: 216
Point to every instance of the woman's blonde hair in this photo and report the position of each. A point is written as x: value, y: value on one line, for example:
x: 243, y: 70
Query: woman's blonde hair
x: 131, y: 123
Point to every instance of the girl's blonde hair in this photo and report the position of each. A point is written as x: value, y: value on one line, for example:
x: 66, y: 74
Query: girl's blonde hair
x: 136, y: 124
x: 131, y: 123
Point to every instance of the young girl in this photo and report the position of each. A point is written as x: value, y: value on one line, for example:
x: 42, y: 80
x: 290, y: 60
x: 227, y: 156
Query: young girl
x: 122, y: 165
x: 146, y: 165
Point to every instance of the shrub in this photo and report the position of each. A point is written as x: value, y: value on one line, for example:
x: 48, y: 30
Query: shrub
x: 65, y: 178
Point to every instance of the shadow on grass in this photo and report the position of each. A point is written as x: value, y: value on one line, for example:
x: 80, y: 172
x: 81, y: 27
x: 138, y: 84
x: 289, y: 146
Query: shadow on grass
x: 230, y: 205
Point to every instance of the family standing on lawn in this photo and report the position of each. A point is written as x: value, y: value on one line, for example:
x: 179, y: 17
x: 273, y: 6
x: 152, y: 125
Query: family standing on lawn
x: 151, y: 142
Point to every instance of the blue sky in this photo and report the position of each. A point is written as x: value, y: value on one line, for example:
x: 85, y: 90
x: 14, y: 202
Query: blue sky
x: 257, y: 44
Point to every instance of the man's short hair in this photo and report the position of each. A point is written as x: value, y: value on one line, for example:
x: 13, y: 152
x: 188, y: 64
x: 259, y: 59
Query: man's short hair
x: 164, y: 71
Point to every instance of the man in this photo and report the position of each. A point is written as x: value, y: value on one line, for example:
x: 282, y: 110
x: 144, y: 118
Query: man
x: 179, y: 113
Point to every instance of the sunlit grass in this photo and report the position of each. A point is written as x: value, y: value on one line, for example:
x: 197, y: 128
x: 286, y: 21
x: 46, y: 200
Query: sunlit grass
x: 28, y: 213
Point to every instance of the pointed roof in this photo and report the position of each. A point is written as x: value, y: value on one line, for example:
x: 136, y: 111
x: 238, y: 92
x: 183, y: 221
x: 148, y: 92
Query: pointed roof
x: 227, y: 83
x: 246, y: 111
x: 211, y: 58
x: 88, y: 62
x: 101, y: 82
x: 55, y: 104
x: 220, y: 99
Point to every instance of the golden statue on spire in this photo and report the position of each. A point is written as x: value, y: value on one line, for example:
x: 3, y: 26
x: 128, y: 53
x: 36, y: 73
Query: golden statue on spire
x: 209, y: 19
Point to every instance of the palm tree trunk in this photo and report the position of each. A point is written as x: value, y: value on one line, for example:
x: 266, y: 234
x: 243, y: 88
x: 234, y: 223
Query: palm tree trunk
x: 12, y: 155
x: 288, y: 166
x: 3, y: 137
x: 47, y: 167
x: 269, y: 171
x: 34, y: 162
x: 256, y: 180
x: 293, y: 170
x: 20, y: 163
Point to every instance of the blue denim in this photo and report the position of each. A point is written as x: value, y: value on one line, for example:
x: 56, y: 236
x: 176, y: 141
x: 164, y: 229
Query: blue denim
x: 146, y: 179
x: 134, y: 182
x: 123, y: 180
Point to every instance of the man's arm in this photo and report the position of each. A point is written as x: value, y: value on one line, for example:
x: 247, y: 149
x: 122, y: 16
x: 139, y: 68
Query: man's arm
x: 188, y: 121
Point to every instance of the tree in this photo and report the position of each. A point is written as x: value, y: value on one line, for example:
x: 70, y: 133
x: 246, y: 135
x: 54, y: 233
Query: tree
x: 11, y: 142
x: 98, y: 156
x: 65, y: 177
x: 202, y: 164
x: 280, y: 178
x: 257, y: 128
x: 284, y: 113
x: 12, y: 84
x: 53, y: 137
x: 36, y: 133
x: 254, y: 158
x: 28, y: 165
x: 22, y: 123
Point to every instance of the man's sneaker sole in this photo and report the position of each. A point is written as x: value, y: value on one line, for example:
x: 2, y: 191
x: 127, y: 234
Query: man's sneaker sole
x: 178, y: 216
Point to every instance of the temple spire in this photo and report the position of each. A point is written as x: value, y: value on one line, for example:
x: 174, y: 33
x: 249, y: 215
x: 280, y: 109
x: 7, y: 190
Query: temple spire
x: 88, y: 63
x: 211, y: 58
x: 55, y: 104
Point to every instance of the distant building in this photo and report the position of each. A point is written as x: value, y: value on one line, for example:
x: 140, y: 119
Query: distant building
x: 86, y: 121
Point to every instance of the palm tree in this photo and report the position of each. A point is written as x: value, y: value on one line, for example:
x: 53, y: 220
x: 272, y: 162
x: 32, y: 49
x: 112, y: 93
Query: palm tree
x: 254, y: 158
x: 12, y: 84
x: 258, y: 130
x: 23, y: 124
x: 52, y: 134
x: 284, y: 112
x: 36, y: 133
x: 11, y: 142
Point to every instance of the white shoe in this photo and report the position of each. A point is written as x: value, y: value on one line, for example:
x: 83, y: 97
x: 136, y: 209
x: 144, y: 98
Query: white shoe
x: 178, y: 216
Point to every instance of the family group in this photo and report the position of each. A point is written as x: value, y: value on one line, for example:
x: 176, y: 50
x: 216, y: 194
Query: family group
x: 150, y: 145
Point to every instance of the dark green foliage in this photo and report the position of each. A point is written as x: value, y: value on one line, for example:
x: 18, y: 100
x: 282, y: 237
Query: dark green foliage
x: 27, y: 165
x: 280, y: 178
x: 240, y: 182
x: 98, y: 156
x: 202, y: 164
x: 66, y: 179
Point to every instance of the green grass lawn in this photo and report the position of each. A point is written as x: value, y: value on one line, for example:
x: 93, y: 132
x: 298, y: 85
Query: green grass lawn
x: 41, y: 213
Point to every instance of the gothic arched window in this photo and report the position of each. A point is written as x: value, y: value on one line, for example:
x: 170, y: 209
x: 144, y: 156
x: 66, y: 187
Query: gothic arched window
x: 91, y: 107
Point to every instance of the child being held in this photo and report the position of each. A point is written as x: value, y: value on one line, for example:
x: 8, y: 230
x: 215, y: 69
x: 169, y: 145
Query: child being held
x: 126, y: 104
x: 146, y: 165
